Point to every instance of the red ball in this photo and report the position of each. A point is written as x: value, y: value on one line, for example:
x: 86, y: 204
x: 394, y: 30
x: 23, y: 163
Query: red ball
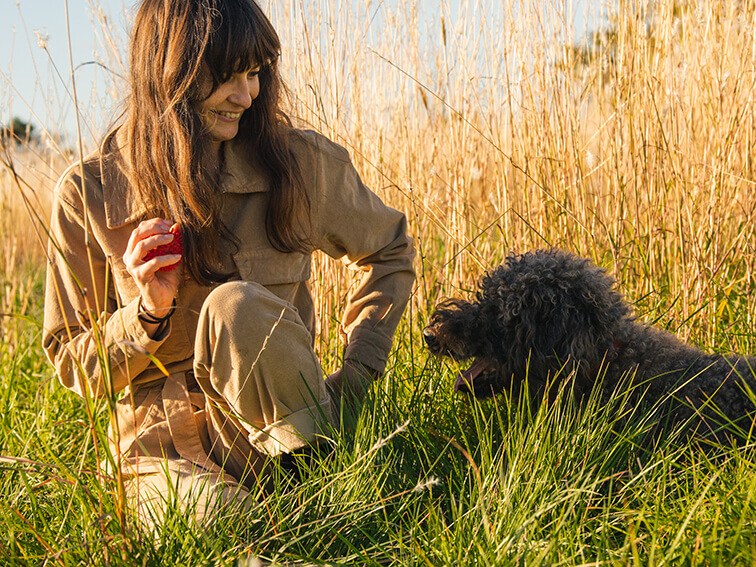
x: 175, y: 246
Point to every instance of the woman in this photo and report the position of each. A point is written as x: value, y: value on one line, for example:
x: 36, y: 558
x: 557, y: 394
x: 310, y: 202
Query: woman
x: 209, y: 348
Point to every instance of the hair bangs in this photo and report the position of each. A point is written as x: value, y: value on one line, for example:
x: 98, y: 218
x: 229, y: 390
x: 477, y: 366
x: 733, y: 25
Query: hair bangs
x: 242, y: 38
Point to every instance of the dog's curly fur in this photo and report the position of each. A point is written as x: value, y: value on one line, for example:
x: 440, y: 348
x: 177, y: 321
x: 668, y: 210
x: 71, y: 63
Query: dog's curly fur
x: 549, y: 314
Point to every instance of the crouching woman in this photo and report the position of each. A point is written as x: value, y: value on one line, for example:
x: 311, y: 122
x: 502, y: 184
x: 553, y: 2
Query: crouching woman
x: 180, y: 258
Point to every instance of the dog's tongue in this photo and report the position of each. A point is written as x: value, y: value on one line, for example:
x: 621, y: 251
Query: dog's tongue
x: 465, y: 378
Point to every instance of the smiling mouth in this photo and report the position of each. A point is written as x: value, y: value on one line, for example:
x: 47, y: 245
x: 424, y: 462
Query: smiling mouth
x: 228, y: 115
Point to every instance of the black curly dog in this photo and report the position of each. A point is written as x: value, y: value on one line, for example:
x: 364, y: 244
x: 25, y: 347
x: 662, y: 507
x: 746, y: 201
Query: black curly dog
x: 549, y: 314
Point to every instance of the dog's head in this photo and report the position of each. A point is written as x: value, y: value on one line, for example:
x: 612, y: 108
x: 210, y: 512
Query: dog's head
x: 539, y: 313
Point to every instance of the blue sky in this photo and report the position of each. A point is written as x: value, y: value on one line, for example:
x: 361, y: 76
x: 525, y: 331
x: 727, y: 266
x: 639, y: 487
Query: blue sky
x: 30, y: 85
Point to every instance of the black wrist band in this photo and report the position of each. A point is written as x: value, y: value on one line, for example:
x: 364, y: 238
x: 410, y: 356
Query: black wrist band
x: 147, y: 317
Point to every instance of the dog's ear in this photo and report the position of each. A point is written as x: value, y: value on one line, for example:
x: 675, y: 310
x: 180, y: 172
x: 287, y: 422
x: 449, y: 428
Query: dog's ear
x: 552, y: 308
x: 589, y: 320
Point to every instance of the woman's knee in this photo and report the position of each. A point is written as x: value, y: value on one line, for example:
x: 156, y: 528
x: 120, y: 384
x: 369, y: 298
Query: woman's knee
x: 246, y: 307
x: 240, y: 300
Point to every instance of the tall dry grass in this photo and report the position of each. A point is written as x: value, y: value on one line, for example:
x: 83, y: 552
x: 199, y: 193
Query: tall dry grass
x: 496, y: 130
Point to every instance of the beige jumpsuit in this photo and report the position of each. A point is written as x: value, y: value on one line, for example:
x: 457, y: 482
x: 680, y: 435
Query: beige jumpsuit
x: 242, y: 379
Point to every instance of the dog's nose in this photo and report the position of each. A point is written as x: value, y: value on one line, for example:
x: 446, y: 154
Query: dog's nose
x: 430, y: 337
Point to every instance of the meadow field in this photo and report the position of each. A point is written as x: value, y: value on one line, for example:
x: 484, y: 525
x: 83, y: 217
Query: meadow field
x: 495, y: 130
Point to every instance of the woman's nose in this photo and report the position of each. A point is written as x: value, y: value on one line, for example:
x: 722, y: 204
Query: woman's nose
x: 241, y: 94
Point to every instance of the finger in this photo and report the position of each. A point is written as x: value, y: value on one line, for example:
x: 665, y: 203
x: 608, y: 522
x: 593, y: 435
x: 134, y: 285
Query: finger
x: 133, y: 258
x: 133, y: 253
x: 148, y: 228
x: 159, y: 262
x: 149, y: 243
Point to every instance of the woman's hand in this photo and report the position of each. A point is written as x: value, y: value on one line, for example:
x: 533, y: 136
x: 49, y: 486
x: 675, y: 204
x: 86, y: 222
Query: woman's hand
x: 157, y: 288
x: 351, y: 382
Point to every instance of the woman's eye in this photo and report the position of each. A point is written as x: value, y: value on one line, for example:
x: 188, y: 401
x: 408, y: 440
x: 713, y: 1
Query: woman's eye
x: 253, y: 73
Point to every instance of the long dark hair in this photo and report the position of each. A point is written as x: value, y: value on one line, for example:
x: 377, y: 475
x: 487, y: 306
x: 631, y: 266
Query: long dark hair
x: 171, y: 165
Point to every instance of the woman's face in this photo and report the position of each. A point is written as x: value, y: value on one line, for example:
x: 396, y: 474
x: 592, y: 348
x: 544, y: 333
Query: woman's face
x: 222, y: 110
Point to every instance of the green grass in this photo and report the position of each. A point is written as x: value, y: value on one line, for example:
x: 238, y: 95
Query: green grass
x: 423, y: 478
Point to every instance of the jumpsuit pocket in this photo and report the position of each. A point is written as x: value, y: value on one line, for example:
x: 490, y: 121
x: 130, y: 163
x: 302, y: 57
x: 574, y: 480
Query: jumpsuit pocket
x: 269, y: 267
x: 136, y: 412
